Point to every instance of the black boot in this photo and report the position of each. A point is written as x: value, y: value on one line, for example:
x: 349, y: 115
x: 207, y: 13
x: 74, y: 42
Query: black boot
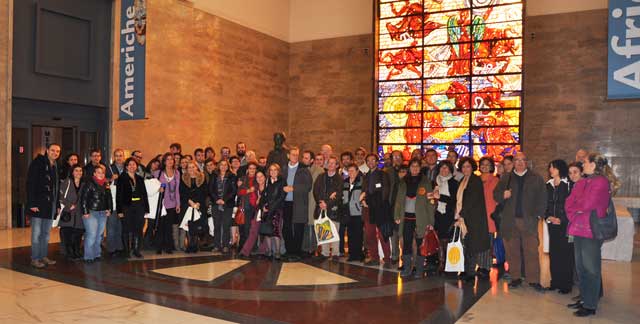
x: 136, y: 246
x: 76, y: 247
x: 126, y: 240
x: 68, y: 250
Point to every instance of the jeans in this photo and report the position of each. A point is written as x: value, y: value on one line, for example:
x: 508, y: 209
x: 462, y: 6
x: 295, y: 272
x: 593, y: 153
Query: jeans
x: 40, y: 230
x: 94, y: 230
x: 222, y: 221
x: 395, y: 243
x: 588, y: 266
x: 114, y: 234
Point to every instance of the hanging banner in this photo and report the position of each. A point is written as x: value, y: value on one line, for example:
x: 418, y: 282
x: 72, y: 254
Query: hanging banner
x: 133, y: 29
x: 623, y: 74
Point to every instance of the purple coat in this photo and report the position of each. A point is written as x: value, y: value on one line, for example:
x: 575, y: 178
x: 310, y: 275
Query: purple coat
x: 588, y: 194
x: 172, y: 191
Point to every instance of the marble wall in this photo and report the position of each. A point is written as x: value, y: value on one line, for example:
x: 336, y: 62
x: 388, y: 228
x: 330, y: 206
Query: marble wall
x: 565, y: 105
x: 6, y: 39
x: 209, y: 82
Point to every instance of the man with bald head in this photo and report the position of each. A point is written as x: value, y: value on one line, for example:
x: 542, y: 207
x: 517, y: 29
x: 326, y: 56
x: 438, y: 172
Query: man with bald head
x: 326, y: 150
x: 582, y: 155
x: 523, y: 195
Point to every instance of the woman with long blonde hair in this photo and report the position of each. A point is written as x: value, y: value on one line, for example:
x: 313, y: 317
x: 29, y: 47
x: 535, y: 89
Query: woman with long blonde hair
x: 589, y: 196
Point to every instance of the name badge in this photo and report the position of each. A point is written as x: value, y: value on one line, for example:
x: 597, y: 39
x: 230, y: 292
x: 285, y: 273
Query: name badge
x: 378, y: 185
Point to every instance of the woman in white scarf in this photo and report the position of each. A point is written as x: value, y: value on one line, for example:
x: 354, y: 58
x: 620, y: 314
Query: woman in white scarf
x: 447, y: 186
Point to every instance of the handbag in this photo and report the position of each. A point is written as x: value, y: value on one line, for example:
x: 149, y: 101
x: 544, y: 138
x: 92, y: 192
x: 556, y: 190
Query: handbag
x: 56, y: 221
x: 266, y: 227
x: 604, y: 228
x: 325, y: 229
x: 195, y: 226
x: 430, y: 244
x: 455, y: 253
x: 238, y: 213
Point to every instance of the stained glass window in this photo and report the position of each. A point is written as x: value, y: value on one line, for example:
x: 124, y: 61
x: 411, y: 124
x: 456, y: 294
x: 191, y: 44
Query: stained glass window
x: 449, y: 76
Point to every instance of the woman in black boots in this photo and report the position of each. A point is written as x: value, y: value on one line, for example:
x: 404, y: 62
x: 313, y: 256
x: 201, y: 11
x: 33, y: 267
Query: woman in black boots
x: 132, y: 204
x: 71, y: 226
x: 193, y: 189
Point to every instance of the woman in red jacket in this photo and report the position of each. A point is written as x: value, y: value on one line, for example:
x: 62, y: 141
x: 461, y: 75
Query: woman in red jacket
x: 591, y: 193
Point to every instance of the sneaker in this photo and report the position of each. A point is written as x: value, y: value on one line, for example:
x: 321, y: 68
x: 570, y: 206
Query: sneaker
x: 38, y: 264
x: 48, y: 261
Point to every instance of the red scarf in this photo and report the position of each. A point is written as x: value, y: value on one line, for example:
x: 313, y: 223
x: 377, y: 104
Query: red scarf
x: 100, y: 182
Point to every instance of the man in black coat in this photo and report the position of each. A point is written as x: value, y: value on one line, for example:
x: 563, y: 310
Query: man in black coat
x: 296, y: 203
x: 376, y: 189
x: 96, y: 159
x: 327, y: 190
x: 42, y: 201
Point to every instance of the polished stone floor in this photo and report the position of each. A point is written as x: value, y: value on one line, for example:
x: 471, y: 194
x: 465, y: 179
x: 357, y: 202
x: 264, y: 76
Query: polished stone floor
x: 210, y: 287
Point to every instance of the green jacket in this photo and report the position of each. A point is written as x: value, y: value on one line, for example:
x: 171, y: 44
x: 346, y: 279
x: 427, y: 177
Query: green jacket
x: 424, y: 209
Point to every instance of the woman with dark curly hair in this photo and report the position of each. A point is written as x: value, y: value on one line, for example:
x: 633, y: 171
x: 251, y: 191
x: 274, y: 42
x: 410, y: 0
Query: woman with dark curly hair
x: 560, y: 249
x: 471, y: 215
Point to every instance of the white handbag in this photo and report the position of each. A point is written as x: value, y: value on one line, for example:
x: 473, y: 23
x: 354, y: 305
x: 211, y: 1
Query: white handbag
x: 56, y: 221
x: 455, y: 253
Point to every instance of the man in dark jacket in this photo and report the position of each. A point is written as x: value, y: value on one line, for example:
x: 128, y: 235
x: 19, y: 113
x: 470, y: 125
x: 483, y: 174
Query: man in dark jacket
x: 376, y: 190
x: 42, y: 201
x: 296, y: 204
x: 327, y: 190
x: 114, y: 225
x: 95, y: 157
x: 392, y: 173
x: 523, y: 195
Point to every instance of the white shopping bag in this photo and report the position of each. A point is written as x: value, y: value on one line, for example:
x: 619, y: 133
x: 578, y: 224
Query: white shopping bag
x: 56, y: 221
x: 325, y: 229
x: 455, y: 253
x: 187, y: 217
x: 211, y: 227
x: 153, y: 194
x: 545, y: 237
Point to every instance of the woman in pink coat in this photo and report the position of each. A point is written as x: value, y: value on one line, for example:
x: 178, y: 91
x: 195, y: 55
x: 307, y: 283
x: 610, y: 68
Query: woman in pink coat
x: 591, y: 193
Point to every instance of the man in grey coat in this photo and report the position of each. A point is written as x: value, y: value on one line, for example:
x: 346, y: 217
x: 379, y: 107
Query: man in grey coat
x: 522, y: 193
x: 296, y: 204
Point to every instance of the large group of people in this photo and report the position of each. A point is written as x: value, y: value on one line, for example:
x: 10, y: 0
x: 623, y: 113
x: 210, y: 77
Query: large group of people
x: 265, y: 207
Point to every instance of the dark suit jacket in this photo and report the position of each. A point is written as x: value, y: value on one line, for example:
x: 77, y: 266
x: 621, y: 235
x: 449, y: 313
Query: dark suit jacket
x: 302, y: 184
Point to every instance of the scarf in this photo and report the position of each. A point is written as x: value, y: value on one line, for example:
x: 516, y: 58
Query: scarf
x: 443, y: 187
x: 460, y: 195
x: 460, y: 221
x: 101, y: 183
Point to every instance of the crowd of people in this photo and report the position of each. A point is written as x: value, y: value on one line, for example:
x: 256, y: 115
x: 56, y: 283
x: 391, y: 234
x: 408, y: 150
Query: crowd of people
x: 265, y: 207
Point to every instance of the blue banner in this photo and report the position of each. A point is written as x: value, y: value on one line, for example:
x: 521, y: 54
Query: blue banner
x: 133, y: 29
x: 623, y: 74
